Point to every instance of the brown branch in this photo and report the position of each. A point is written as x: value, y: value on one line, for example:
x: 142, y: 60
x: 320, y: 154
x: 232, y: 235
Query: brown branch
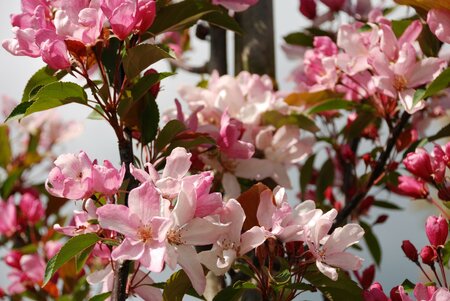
x: 376, y: 173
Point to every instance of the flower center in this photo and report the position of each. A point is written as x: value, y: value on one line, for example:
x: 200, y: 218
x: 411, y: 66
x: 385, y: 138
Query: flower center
x: 174, y: 237
x: 145, y: 233
x: 400, y: 82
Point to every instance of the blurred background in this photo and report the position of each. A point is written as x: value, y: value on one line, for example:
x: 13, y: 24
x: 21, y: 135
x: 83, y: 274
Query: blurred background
x: 98, y: 140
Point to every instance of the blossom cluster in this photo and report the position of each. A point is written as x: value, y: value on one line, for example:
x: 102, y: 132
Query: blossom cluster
x: 368, y: 61
x: 172, y: 213
x: 231, y: 110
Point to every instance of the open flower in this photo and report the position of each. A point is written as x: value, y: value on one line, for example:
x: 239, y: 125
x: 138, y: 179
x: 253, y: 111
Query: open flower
x: 141, y: 224
x: 329, y: 249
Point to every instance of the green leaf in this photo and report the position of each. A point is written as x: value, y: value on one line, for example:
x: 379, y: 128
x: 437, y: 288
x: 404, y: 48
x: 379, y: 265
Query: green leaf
x: 325, y: 179
x: 141, y: 57
x: 234, y: 293
x: 332, y: 104
x: 299, y: 39
x: 110, y: 58
x: 446, y: 253
x: 277, y: 119
x: 101, y: 297
x: 146, y: 82
x: 342, y: 289
x: 180, y: 15
x: 95, y: 115
x: 223, y: 20
x: 372, y: 243
x: 386, y: 205
x: 302, y: 287
x: 73, y: 247
x: 42, y: 77
x: 19, y: 111
x: 80, y: 259
x: 56, y: 94
x: 437, y: 85
x: 306, y: 172
x: 168, y: 133
x: 150, y: 121
x: 399, y: 26
x: 5, y: 146
x: 408, y: 286
x: 176, y: 286
x: 10, y: 181
x: 444, y: 132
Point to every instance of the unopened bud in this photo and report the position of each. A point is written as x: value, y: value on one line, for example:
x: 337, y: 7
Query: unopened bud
x: 410, y: 251
x: 437, y: 230
x: 428, y: 255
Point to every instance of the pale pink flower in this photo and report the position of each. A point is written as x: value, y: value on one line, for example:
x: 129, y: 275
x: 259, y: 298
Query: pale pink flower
x: 422, y: 292
x: 144, y: 229
x: 441, y: 294
x: 399, y: 78
x: 31, y: 273
x: 81, y: 222
x: 31, y: 207
x: 186, y: 232
x: 176, y: 169
x: 71, y: 177
x: 235, y: 5
x: 23, y: 43
x: 107, y: 179
x: 280, y: 219
x: 439, y: 22
x: 8, y: 222
x: 231, y: 244
x: 329, y: 249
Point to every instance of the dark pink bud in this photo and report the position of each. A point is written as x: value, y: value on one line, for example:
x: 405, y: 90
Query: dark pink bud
x: 381, y: 219
x: 395, y: 294
x: 419, y: 164
x: 368, y: 277
x: 308, y: 8
x: 428, y: 255
x: 410, y: 251
x: 444, y: 192
x: 13, y: 259
x: 437, y: 230
x: 154, y: 90
x: 439, y: 163
x: 408, y: 186
x: 334, y: 5
x: 31, y: 207
x: 375, y: 293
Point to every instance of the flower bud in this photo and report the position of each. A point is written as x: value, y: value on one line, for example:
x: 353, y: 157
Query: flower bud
x: 428, y: 255
x: 31, y: 207
x: 410, y: 251
x: 419, y: 164
x: 395, y: 294
x: 308, y: 8
x: 437, y: 230
x: 408, y: 186
x: 13, y: 259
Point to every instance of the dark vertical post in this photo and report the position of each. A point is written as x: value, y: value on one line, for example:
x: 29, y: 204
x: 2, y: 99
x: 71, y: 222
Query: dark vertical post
x: 218, y: 56
x: 255, y: 49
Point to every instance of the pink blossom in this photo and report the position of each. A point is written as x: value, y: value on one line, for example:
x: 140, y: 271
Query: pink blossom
x: 79, y: 20
x: 23, y: 43
x: 106, y: 179
x: 235, y: 5
x: 329, y: 249
x: 231, y: 244
x: 422, y: 292
x: 126, y: 16
x: 185, y: 232
x: 280, y: 220
x: 437, y: 230
x: 71, y: 177
x: 31, y: 207
x: 144, y: 229
x: 229, y: 139
x: 82, y: 221
x: 175, y: 170
x: 53, y: 49
x: 439, y: 22
x: 419, y: 163
x: 12, y: 259
x: 52, y: 247
x: 8, y: 222
x: 31, y: 273
x: 398, y: 78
